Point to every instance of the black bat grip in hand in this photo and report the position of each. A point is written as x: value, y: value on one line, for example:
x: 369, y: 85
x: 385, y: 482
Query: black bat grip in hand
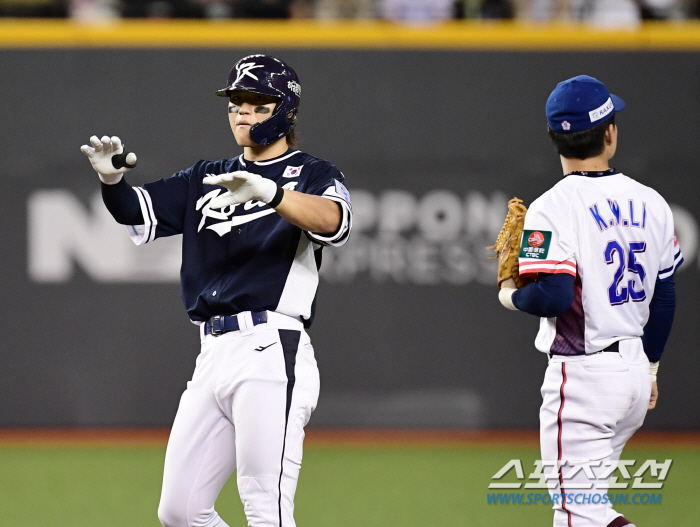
x: 120, y: 160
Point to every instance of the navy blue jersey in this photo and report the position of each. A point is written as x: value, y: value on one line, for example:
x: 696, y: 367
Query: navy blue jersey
x: 244, y: 257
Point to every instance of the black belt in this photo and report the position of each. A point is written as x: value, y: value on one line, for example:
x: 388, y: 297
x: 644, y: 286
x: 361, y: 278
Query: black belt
x: 219, y: 324
x: 614, y: 347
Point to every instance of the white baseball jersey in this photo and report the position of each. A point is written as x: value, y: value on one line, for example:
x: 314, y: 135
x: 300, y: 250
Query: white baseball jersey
x: 615, y: 236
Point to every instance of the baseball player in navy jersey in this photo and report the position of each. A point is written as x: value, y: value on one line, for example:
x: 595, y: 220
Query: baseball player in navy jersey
x: 253, y: 228
x: 603, y: 250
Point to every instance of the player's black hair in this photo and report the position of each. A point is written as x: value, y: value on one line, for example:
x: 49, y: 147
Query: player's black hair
x: 581, y: 145
x: 292, y: 139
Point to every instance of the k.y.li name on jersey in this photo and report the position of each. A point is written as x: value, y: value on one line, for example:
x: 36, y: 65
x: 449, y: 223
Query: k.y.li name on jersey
x: 631, y: 215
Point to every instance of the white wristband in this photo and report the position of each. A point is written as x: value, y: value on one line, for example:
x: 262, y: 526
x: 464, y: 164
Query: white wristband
x: 654, y: 366
x: 505, y: 295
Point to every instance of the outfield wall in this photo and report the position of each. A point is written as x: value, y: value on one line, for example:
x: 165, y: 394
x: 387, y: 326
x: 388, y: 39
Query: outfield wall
x: 409, y: 331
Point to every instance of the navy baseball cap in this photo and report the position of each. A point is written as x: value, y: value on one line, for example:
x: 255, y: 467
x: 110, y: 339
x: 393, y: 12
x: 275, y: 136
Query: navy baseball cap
x: 580, y: 103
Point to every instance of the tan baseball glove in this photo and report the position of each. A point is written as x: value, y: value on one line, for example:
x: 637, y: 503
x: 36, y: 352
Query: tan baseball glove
x: 508, y: 245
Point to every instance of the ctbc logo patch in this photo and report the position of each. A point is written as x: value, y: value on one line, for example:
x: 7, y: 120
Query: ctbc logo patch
x: 535, y: 239
x: 566, y: 125
x: 295, y: 87
x: 535, y: 244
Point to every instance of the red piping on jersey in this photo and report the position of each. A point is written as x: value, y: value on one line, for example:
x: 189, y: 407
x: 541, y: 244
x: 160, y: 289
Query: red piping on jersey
x: 552, y: 262
x: 559, y: 424
x: 532, y: 270
x: 536, y: 267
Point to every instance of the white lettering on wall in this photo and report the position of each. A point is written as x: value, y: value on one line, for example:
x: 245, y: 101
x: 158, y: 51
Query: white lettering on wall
x: 439, y: 237
x: 64, y: 234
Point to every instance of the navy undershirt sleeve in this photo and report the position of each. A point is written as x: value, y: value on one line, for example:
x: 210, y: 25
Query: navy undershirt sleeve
x: 549, y: 297
x: 123, y: 203
x: 661, y: 311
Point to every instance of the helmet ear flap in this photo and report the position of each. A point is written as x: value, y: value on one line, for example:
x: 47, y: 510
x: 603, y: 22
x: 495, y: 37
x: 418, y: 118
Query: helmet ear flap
x: 280, y: 123
x: 291, y: 115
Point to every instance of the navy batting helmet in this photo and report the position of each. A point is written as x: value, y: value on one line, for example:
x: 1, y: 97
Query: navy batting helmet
x: 267, y: 76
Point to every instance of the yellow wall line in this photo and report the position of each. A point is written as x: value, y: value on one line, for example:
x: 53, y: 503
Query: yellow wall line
x: 20, y: 33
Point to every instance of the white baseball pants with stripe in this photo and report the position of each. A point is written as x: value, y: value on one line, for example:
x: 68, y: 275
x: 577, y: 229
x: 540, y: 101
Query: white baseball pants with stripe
x: 591, y: 406
x: 244, y: 409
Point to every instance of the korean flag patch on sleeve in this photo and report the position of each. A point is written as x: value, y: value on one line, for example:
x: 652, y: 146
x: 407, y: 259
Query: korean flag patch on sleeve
x: 535, y: 244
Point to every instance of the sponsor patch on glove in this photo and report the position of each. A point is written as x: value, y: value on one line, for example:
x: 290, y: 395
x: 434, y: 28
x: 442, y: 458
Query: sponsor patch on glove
x: 535, y: 244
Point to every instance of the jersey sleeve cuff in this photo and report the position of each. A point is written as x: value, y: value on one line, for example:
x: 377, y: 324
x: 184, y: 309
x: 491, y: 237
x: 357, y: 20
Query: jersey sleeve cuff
x: 530, y: 267
x: 145, y: 233
x: 667, y: 274
x: 343, y: 233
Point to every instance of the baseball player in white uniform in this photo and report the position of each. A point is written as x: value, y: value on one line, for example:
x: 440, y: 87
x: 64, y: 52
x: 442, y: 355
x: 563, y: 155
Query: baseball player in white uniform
x: 253, y: 228
x: 603, y: 250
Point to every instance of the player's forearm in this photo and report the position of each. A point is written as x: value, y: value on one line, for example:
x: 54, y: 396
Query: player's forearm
x: 550, y: 297
x: 122, y: 203
x: 310, y: 213
x: 661, y: 311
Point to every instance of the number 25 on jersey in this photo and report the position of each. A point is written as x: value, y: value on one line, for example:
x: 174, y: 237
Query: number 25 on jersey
x: 620, y: 295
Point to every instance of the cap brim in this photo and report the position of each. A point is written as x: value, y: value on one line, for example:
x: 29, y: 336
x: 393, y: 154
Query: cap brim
x: 618, y: 103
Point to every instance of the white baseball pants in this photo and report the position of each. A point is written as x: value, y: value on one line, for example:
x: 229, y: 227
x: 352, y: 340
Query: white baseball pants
x: 245, y: 409
x: 591, y: 406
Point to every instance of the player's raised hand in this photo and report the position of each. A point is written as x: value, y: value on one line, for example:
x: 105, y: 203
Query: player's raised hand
x: 242, y: 187
x: 108, y: 158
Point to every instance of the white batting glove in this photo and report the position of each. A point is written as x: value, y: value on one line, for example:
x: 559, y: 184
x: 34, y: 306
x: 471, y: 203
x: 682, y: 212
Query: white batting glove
x: 100, y: 153
x: 242, y: 187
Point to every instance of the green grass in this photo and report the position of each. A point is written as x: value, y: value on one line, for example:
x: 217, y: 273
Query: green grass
x: 62, y: 486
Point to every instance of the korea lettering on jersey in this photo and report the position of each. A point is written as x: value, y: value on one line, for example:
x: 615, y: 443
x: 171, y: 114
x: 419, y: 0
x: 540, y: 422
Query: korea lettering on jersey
x: 244, y: 257
x: 616, y: 237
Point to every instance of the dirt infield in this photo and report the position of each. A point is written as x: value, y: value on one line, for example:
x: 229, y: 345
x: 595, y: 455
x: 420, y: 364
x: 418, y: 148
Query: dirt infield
x: 328, y: 438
